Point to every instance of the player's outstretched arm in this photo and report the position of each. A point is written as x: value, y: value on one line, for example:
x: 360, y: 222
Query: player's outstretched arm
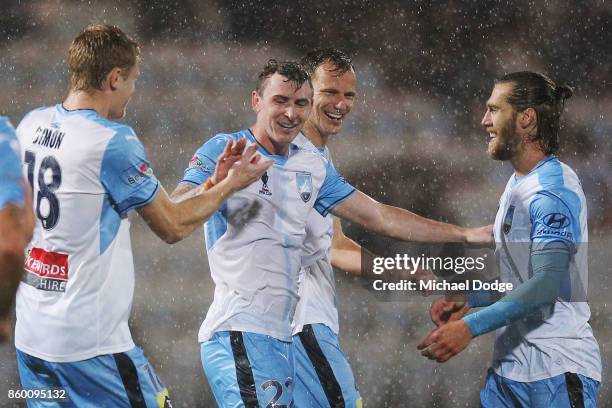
x: 172, y: 221
x: 401, y: 224
x: 350, y: 257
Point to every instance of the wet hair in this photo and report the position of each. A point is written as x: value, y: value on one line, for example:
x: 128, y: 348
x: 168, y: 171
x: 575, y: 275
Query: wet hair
x: 95, y: 51
x: 291, y: 70
x: 317, y: 57
x: 537, y: 91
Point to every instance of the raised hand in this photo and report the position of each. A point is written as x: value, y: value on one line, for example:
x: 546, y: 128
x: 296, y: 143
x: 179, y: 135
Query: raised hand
x: 231, y: 154
x: 249, y: 168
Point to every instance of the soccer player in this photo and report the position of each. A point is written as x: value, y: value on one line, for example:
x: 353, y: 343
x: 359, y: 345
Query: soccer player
x: 88, y: 172
x: 545, y: 352
x: 16, y: 222
x: 254, y: 242
x: 324, y: 377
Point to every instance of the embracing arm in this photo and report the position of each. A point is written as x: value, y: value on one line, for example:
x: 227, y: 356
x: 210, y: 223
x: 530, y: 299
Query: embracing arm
x: 401, y: 224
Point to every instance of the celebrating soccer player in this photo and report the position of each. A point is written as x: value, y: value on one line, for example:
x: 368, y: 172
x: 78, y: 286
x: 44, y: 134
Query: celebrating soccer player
x: 16, y: 222
x: 545, y: 352
x: 254, y: 241
x: 87, y: 172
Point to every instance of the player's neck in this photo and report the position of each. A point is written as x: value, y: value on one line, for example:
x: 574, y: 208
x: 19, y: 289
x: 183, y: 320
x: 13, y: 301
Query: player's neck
x: 313, y: 134
x: 266, y: 141
x: 528, y: 158
x: 83, y: 100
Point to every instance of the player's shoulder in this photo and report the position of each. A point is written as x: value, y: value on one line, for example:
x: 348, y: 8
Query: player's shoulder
x: 8, y: 138
x: 218, y: 141
x: 36, y: 114
x: 557, y: 185
x: 7, y: 131
x: 549, y: 175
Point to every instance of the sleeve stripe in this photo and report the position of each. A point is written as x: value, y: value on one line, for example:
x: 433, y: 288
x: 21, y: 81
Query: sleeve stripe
x: 332, y: 205
x: 190, y: 182
x: 144, y: 202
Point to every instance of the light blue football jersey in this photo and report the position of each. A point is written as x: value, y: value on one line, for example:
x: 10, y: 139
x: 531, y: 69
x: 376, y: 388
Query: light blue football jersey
x: 86, y: 173
x: 255, y: 240
x: 317, y: 283
x: 11, y: 188
x: 546, y: 205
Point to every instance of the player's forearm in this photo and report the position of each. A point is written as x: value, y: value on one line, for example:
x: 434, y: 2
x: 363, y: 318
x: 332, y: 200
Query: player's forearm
x: 347, y: 257
x: 194, y: 211
x: 408, y: 226
x: 550, y: 266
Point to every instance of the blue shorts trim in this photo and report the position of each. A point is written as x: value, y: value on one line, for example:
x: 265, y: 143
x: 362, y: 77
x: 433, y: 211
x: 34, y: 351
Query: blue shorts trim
x: 567, y: 390
x: 324, y: 376
x: 249, y: 370
x: 112, y: 380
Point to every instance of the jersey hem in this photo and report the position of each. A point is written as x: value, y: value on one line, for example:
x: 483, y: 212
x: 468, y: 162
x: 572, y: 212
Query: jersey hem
x: 545, y: 375
x: 71, y: 358
x: 330, y: 327
x: 207, y: 335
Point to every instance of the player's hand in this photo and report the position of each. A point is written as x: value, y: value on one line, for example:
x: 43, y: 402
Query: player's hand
x: 443, y: 311
x: 248, y: 169
x: 481, y: 236
x: 420, y: 275
x: 230, y: 155
x: 446, y: 341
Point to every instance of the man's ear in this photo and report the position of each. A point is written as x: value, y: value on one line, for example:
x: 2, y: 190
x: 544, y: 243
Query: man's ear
x: 528, y: 118
x: 110, y: 82
x: 255, y: 101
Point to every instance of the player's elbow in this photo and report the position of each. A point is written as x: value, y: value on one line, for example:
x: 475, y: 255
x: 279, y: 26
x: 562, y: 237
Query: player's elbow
x: 172, y: 236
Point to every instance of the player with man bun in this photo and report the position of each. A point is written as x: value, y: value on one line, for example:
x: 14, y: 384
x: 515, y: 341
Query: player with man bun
x: 545, y: 353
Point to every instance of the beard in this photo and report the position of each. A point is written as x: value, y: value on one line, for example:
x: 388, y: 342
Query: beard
x: 506, y: 144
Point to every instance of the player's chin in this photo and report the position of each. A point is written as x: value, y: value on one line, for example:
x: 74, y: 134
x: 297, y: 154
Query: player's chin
x: 288, y: 134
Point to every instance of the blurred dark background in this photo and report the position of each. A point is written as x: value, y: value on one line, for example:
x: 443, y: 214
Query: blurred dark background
x: 424, y: 71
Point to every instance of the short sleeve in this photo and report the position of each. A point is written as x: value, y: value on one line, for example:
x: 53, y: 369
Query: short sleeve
x: 553, y: 219
x: 202, y: 165
x: 11, y: 187
x: 334, y: 190
x: 126, y: 173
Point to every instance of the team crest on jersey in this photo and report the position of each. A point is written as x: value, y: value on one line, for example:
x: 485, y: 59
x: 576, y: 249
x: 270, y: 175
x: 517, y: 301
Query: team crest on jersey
x: 265, y: 190
x: 508, y: 219
x: 304, y: 185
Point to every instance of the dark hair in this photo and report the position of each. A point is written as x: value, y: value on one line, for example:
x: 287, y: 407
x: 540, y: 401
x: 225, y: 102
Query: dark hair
x: 537, y: 91
x: 291, y: 70
x: 96, y: 51
x: 315, y: 58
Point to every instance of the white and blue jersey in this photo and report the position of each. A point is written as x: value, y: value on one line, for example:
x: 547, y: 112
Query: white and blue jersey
x: 11, y: 188
x: 317, y: 286
x: 546, y: 205
x: 87, y: 173
x: 323, y: 376
x: 255, y: 239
